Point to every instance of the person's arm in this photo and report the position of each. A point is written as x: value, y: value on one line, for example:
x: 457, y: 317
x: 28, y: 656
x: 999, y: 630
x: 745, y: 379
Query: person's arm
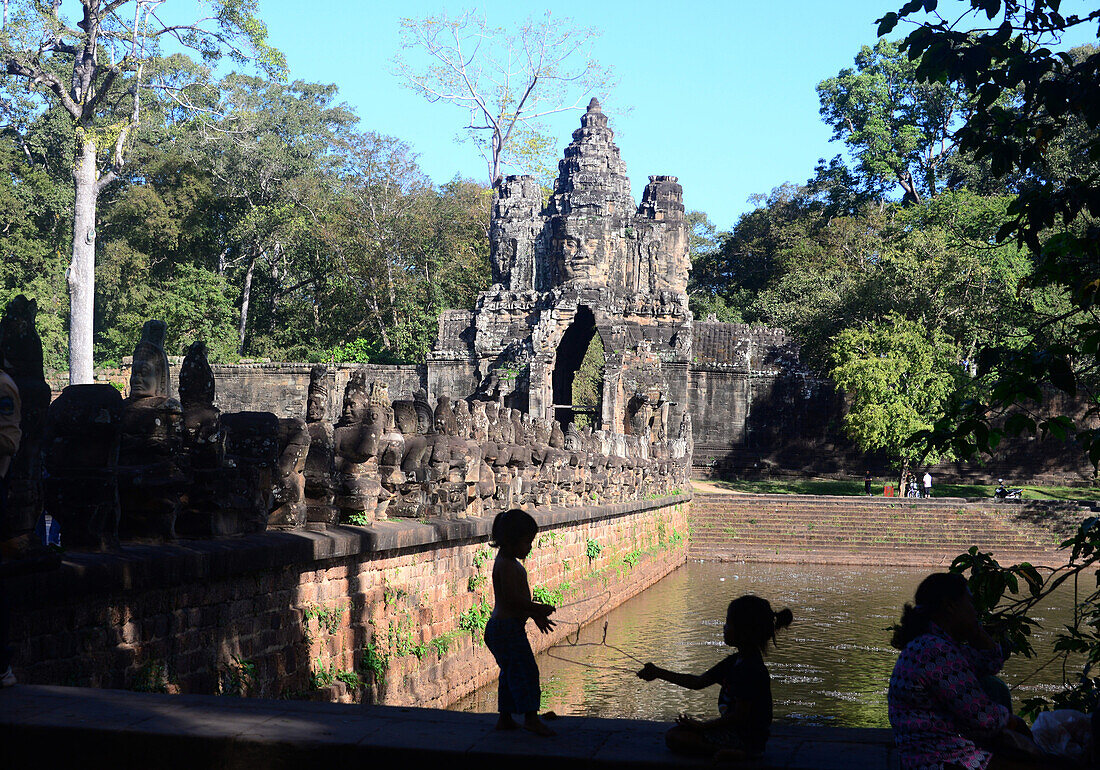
x: 650, y: 672
x: 983, y: 654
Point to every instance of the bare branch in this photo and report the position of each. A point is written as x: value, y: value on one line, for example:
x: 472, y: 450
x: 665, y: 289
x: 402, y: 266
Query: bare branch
x: 502, y: 78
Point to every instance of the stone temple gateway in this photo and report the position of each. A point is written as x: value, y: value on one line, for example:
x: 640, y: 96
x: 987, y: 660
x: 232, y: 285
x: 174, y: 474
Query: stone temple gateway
x: 591, y: 263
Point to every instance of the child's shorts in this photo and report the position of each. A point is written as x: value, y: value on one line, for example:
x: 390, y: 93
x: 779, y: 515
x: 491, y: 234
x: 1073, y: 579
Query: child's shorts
x: 518, y: 689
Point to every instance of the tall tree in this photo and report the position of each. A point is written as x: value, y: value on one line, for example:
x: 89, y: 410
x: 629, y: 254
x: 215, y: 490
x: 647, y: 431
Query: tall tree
x: 507, y: 81
x: 273, y: 156
x: 98, y: 71
x: 899, y: 376
x: 898, y: 128
x: 1030, y: 98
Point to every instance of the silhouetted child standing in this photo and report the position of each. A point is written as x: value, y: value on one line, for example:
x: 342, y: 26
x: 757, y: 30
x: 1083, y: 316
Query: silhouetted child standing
x: 745, y: 700
x: 518, y: 690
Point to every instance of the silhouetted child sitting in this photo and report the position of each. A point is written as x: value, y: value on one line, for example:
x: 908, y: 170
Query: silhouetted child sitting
x: 745, y: 700
x: 518, y: 691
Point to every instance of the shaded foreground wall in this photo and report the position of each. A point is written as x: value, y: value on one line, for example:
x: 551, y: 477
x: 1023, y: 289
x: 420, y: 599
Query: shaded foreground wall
x: 400, y: 604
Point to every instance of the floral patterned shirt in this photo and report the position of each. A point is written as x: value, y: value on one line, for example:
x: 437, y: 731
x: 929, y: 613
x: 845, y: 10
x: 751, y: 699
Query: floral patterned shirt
x: 937, y: 707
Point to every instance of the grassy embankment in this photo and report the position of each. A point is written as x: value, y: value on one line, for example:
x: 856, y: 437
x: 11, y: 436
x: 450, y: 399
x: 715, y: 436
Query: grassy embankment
x: 842, y: 487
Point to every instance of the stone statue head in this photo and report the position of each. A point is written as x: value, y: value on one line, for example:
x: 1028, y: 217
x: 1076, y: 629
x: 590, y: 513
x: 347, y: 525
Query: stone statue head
x: 542, y: 431
x: 196, y: 377
x: 404, y: 417
x: 355, y: 398
x: 149, y: 374
x: 444, y: 416
x: 578, y: 262
x: 479, y: 422
x: 573, y: 441
x: 557, y: 437
x: 373, y: 428
x: 20, y: 344
x: 380, y: 399
x: 507, y: 429
x: 317, y: 400
x: 463, y: 418
x: 425, y: 415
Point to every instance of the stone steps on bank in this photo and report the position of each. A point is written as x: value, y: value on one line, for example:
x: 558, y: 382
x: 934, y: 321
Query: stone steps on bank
x: 795, y: 528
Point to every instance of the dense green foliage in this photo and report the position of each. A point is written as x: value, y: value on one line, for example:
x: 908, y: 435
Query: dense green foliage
x: 588, y: 382
x: 891, y: 266
x: 267, y: 223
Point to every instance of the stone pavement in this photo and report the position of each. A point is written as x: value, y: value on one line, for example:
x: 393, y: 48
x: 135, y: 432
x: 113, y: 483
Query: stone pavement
x: 44, y: 727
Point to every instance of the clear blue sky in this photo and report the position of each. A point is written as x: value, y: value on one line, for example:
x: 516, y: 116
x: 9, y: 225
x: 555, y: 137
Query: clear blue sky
x: 722, y: 92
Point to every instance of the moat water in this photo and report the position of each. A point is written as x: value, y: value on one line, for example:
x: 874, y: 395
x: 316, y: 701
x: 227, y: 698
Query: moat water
x: 831, y: 667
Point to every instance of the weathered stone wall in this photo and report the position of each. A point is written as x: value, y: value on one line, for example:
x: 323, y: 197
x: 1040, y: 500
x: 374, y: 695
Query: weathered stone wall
x: 276, y: 613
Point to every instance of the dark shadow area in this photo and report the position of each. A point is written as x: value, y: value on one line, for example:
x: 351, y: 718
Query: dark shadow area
x: 570, y: 354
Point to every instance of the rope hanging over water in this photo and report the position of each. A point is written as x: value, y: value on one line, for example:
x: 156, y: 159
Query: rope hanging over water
x: 576, y: 641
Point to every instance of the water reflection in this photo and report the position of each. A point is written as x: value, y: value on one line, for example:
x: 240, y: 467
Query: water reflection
x: 831, y: 667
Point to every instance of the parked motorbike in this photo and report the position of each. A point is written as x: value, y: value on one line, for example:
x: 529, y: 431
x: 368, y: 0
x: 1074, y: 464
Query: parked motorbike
x: 1002, y: 492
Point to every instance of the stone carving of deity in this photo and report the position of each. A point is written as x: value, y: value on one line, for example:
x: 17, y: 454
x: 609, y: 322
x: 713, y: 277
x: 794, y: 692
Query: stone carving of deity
x: 319, y: 469
x: 357, y: 439
x: 150, y: 480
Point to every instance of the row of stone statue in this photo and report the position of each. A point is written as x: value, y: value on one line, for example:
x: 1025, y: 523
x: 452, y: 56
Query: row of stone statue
x: 461, y: 458
x: 149, y: 466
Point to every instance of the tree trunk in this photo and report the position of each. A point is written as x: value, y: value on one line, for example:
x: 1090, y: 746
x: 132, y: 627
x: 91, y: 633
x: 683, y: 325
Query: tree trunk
x: 246, y: 294
x: 82, y: 268
x: 905, y: 179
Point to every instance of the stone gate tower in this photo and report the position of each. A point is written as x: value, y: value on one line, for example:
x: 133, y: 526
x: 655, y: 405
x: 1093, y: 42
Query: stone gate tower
x: 589, y: 262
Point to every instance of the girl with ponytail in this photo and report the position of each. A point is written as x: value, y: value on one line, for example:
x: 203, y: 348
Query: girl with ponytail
x: 745, y: 697
x: 946, y: 706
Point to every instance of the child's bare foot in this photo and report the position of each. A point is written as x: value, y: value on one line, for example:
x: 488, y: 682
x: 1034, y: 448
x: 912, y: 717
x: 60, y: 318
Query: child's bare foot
x: 505, y: 722
x: 534, y: 724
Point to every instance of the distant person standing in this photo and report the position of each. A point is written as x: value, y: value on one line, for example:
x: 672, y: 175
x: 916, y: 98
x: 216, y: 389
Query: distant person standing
x: 927, y: 484
x: 10, y: 435
x: 867, y: 481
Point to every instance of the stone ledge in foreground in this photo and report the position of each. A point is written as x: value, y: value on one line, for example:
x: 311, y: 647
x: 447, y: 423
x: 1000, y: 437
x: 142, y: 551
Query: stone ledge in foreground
x: 45, y: 727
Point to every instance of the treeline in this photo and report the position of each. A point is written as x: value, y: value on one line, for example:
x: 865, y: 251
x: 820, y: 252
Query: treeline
x: 887, y: 264
x: 263, y: 219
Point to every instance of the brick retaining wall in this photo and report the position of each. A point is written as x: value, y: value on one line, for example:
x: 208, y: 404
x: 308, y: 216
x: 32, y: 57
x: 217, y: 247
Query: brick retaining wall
x: 295, y: 613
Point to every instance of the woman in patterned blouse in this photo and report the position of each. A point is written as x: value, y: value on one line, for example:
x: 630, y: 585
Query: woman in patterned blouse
x: 943, y: 717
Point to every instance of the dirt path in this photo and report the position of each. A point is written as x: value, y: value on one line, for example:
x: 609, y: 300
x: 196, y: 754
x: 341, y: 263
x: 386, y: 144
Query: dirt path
x: 701, y: 487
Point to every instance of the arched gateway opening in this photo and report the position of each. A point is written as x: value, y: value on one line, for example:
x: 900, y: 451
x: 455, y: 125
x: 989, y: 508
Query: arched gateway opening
x: 578, y: 373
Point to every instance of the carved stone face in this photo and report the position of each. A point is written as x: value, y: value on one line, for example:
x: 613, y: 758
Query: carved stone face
x: 144, y: 379
x: 479, y: 422
x: 542, y: 431
x: 315, y: 407
x: 463, y: 419
x: 424, y: 420
x: 355, y: 406
x: 577, y: 261
x: 374, y: 422
x: 572, y: 439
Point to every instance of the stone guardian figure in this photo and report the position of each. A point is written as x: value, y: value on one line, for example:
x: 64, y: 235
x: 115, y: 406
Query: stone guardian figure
x: 150, y: 480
